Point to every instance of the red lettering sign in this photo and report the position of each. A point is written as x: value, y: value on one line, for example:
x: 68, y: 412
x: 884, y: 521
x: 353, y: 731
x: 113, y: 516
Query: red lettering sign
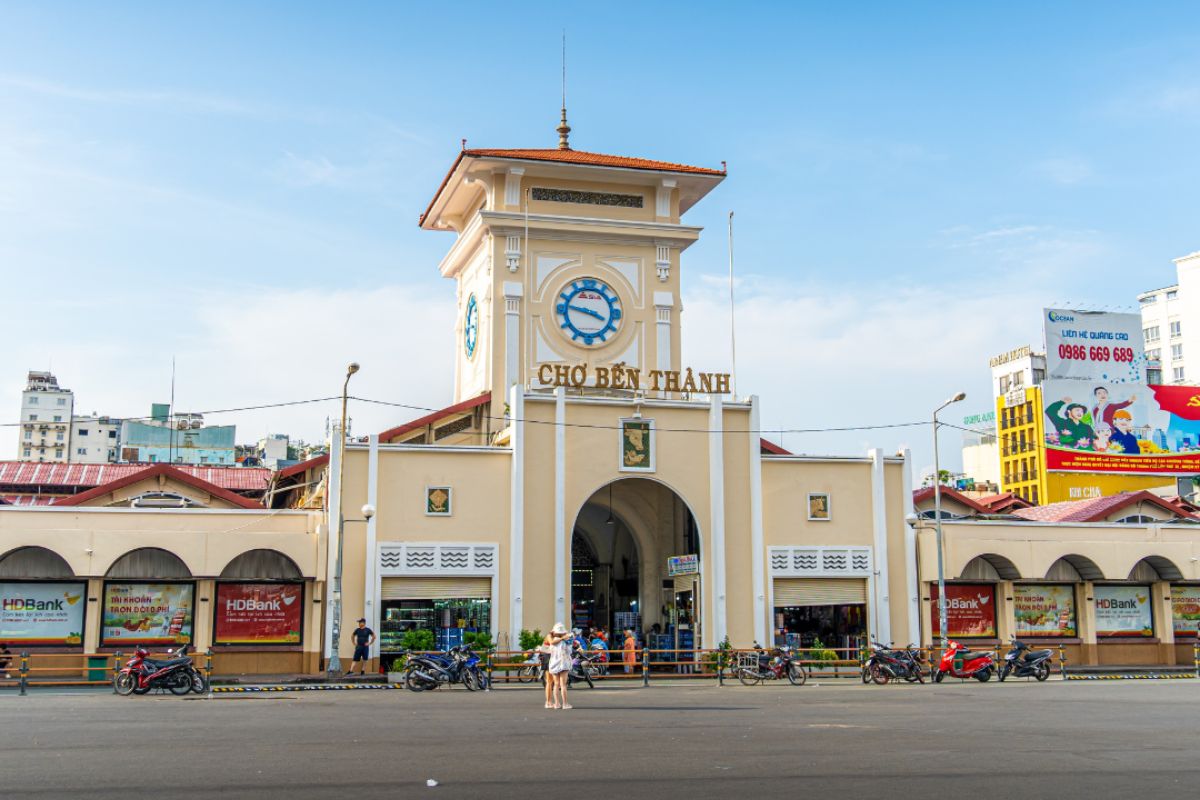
x: 970, y: 610
x: 259, y: 613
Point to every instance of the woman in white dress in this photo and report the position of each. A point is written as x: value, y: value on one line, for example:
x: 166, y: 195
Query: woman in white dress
x: 558, y: 644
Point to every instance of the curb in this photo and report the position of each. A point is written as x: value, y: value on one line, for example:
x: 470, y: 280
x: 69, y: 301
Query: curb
x: 1141, y: 676
x: 316, y: 687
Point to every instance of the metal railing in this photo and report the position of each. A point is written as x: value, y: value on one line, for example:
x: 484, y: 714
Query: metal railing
x: 80, y: 669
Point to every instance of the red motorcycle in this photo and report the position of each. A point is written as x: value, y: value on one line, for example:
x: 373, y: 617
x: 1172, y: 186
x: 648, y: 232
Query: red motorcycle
x: 141, y: 674
x: 958, y: 662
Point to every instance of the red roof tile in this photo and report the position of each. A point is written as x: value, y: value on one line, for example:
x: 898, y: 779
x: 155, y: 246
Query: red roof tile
x: 590, y: 159
x: 84, y: 476
x: 770, y: 448
x: 1096, y: 509
x: 569, y: 157
x: 304, y: 466
x: 170, y: 471
x: 466, y: 405
x: 921, y: 495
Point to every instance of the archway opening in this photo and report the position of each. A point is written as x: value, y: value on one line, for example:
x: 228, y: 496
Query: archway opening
x: 635, y: 563
x: 1155, y: 568
x: 34, y: 563
x: 990, y: 567
x: 269, y: 565
x: 1074, y: 567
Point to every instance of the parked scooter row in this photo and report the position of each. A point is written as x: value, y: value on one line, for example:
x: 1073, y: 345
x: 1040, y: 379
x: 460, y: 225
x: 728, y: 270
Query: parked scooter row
x: 141, y: 674
x: 459, y: 664
x: 886, y: 664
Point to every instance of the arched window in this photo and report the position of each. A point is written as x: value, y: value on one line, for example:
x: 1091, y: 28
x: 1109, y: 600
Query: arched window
x: 270, y: 565
x: 149, y: 562
x: 34, y: 562
x: 1137, y: 519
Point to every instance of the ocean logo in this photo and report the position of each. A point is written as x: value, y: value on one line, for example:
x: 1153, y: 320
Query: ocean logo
x: 1058, y: 316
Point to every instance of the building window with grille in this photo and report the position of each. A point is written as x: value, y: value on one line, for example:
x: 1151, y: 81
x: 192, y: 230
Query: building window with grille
x: 1151, y: 334
x: 58, y: 453
x: 1154, y: 355
x: 1176, y: 352
x: 1176, y: 329
x: 1177, y: 374
x: 1154, y: 376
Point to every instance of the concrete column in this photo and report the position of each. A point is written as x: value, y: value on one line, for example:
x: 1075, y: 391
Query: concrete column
x: 93, y: 615
x: 758, y: 556
x: 562, y: 543
x: 1085, y: 615
x: 1164, y: 625
x: 371, y: 608
x: 881, y: 595
x: 1005, y: 611
x: 516, y: 520
x: 202, y: 614
x: 513, y: 292
x: 716, y: 491
x: 912, y: 586
x: 664, y: 302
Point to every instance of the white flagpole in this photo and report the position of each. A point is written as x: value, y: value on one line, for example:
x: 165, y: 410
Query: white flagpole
x: 732, y: 326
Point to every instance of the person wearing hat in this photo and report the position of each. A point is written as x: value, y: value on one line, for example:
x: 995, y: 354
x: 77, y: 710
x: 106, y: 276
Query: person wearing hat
x: 363, y: 637
x: 558, y: 644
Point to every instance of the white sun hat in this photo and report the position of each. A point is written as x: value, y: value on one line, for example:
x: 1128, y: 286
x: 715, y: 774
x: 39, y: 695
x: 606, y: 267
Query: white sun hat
x: 558, y: 628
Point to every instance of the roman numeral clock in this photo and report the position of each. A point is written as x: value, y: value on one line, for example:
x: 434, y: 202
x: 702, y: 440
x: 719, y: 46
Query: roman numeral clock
x: 588, y: 311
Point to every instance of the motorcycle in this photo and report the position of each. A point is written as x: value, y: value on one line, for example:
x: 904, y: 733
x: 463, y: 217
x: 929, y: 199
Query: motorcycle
x: 583, y: 667
x: 457, y: 665
x: 1024, y: 662
x: 958, y: 662
x: 886, y: 664
x: 141, y: 674
x: 759, y: 666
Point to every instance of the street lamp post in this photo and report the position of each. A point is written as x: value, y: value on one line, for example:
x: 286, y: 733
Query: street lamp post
x: 937, y: 516
x: 335, y: 661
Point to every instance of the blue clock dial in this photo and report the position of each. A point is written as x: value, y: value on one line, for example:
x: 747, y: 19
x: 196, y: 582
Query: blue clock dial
x: 589, y: 311
x: 471, y: 326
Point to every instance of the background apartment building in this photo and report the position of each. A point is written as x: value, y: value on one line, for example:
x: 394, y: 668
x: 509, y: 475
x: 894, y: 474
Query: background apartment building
x: 1171, y: 324
x: 46, y: 410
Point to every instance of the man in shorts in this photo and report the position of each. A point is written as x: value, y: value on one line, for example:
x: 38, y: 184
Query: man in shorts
x: 363, y: 637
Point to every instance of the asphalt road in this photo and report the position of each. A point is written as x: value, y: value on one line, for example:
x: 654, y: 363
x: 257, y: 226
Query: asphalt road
x: 1013, y: 740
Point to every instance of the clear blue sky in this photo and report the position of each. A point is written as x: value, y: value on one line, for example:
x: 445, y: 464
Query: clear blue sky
x: 239, y: 187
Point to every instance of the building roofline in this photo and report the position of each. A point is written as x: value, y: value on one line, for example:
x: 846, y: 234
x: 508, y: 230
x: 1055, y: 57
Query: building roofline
x: 166, y: 470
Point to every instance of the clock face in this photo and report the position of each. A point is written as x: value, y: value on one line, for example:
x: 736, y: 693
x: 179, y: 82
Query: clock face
x: 588, y: 311
x: 471, y: 326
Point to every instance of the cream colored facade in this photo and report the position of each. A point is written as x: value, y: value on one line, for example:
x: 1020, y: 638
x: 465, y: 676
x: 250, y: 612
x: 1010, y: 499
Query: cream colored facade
x: 544, y: 503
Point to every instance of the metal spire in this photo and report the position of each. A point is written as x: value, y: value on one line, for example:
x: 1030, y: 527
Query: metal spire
x: 564, y: 130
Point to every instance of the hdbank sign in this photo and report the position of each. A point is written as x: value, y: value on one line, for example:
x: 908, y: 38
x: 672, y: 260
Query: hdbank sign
x: 1097, y: 346
x: 42, y: 613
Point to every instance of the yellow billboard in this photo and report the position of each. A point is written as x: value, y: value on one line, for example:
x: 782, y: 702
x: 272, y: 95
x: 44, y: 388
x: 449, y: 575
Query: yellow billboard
x: 1062, y: 486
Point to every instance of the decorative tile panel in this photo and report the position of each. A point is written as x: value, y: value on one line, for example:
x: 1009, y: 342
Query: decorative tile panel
x: 824, y: 562
x: 403, y: 558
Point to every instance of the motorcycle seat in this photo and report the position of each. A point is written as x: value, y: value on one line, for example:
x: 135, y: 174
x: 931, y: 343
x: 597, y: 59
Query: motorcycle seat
x: 168, y: 663
x: 969, y: 654
x: 1036, y: 655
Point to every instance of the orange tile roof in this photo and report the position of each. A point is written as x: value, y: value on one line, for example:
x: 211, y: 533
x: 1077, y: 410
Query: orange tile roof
x: 568, y: 157
x: 591, y: 159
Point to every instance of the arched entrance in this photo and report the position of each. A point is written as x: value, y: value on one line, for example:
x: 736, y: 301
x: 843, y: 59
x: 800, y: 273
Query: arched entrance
x: 621, y: 542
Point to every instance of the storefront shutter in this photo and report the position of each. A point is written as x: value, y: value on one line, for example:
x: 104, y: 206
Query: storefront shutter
x: 456, y: 588
x: 792, y: 592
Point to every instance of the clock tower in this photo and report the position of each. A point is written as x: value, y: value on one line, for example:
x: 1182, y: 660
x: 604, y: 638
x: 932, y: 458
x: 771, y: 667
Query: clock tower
x: 563, y: 258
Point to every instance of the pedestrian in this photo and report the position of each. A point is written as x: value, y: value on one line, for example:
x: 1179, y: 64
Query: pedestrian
x: 363, y: 637
x: 5, y: 658
x: 558, y: 643
x: 630, y: 648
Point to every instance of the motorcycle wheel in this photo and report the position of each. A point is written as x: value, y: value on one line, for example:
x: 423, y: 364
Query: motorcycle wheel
x: 469, y: 679
x: 527, y: 675
x: 482, y: 682
x: 749, y: 678
x: 920, y: 675
x: 1003, y: 673
x: 124, y: 684
x: 796, y: 675
x: 984, y: 675
x: 199, y: 682
x: 879, y: 675
x: 414, y: 682
x: 1043, y: 672
x: 180, y: 684
x: 938, y: 675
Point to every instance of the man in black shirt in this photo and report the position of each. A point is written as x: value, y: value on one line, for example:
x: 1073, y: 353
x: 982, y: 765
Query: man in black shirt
x: 363, y: 637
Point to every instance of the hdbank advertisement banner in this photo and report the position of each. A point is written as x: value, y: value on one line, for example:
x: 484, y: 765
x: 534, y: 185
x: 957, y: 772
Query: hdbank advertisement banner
x: 1121, y: 428
x: 970, y: 609
x: 42, y: 613
x: 147, y: 614
x: 1094, y: 346
x: 1185, y: 610
x: 259, y: 613
x: 1044, y: 610
x: 1123, y: 611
